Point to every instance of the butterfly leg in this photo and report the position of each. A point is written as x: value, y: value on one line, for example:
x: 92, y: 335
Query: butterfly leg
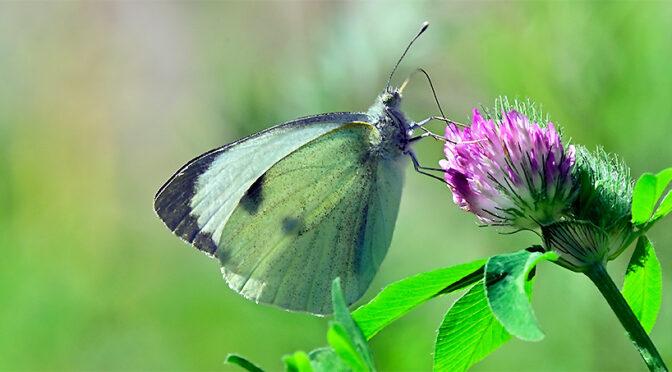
x: 422, y: 123
x: 428, y: 133
x: 420, y: 169
x: 437, y: 137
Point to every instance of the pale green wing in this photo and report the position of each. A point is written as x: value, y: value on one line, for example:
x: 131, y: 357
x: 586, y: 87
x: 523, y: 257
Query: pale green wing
x: 197, y: 201
x: 326, y: 210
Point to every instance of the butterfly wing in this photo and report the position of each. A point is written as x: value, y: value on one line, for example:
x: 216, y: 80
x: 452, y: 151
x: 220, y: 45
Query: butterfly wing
x: 196, y: 202
x: 287, y: 185
x: 326, y: 210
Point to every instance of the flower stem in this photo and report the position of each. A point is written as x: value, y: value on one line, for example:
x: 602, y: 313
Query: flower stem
x: 598, y: 274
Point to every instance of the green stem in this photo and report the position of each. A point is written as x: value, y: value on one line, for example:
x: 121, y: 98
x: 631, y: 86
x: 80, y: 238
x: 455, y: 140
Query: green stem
x: 598, y: 274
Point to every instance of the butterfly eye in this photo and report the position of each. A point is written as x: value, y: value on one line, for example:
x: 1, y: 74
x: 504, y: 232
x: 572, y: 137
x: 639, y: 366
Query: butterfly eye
x: 389, y: 99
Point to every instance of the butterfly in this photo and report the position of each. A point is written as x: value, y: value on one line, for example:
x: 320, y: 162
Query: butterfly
x: 289, y: 209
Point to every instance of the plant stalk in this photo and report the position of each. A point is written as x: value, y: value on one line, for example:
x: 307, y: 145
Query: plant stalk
x: 599, y: 275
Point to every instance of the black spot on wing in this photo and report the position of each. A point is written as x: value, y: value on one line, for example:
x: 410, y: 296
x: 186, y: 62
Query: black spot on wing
x: 254, y: 196
x: 289, y: 224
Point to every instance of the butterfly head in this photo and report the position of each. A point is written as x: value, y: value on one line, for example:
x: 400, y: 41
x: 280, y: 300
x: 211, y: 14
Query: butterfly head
x: 386, y: 115
x: 391, y: 98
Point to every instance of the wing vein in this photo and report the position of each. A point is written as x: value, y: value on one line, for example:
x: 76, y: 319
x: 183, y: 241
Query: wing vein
x: 272, y: 250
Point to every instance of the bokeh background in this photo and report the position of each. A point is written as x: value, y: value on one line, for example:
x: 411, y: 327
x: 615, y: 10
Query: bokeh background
x: 100, y: 102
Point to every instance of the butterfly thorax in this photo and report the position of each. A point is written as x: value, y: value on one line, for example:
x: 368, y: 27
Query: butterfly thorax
x: 392, y: 124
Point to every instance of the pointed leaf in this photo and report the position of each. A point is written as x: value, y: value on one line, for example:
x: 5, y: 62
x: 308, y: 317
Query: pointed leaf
x: 643, y: 283
x: 665, y: 207
x: 399, y: 298
x: 297, y: 362
x: 505, y: 278
x: 340, y: 342
x: 349, y: 351
x: 644, y: 198
x: 663, y: 178
x: 243, y: 363
x: 469, y: 332
x: 343, y: 318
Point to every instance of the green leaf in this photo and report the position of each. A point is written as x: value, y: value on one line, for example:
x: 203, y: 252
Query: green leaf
x: 644, y: 198
x: 243, y: 363
x: 469, y: 332
x: 665, y: 207
x: 326, y: 360
x: 505, y: 280
x: 340, y: 342
x: 663, y: 178
x: 643, y: 284
x: 399, y: 298
x: 648, y: 191
x: 343, y: 319
x: 349, y: 350
x: 297, y: 362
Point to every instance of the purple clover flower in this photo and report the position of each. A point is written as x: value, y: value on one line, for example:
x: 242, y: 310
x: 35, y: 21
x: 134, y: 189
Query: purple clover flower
x: 510, y: 171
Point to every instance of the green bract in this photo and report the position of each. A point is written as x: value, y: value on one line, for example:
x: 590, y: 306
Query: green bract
x: 598, y: 226
x: 604, y: 187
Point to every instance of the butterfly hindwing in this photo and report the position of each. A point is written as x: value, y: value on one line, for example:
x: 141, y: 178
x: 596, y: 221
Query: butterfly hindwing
x: 197, y: 201
x: 325, y: 210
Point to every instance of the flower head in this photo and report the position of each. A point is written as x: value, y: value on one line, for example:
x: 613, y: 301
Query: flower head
x: 509, y: 170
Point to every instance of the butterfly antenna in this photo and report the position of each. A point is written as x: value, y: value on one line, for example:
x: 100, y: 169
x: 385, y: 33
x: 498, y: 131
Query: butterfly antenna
x: 431, y: 86
x: 422, y: 29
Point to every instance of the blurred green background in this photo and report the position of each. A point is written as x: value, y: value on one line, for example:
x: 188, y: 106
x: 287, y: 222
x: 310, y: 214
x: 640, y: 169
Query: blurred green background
x: 101, y: 102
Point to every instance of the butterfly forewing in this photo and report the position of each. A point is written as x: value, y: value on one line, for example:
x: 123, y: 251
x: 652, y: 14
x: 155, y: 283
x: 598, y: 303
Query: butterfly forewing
x: 326, y: 210
x: 197, y: 201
